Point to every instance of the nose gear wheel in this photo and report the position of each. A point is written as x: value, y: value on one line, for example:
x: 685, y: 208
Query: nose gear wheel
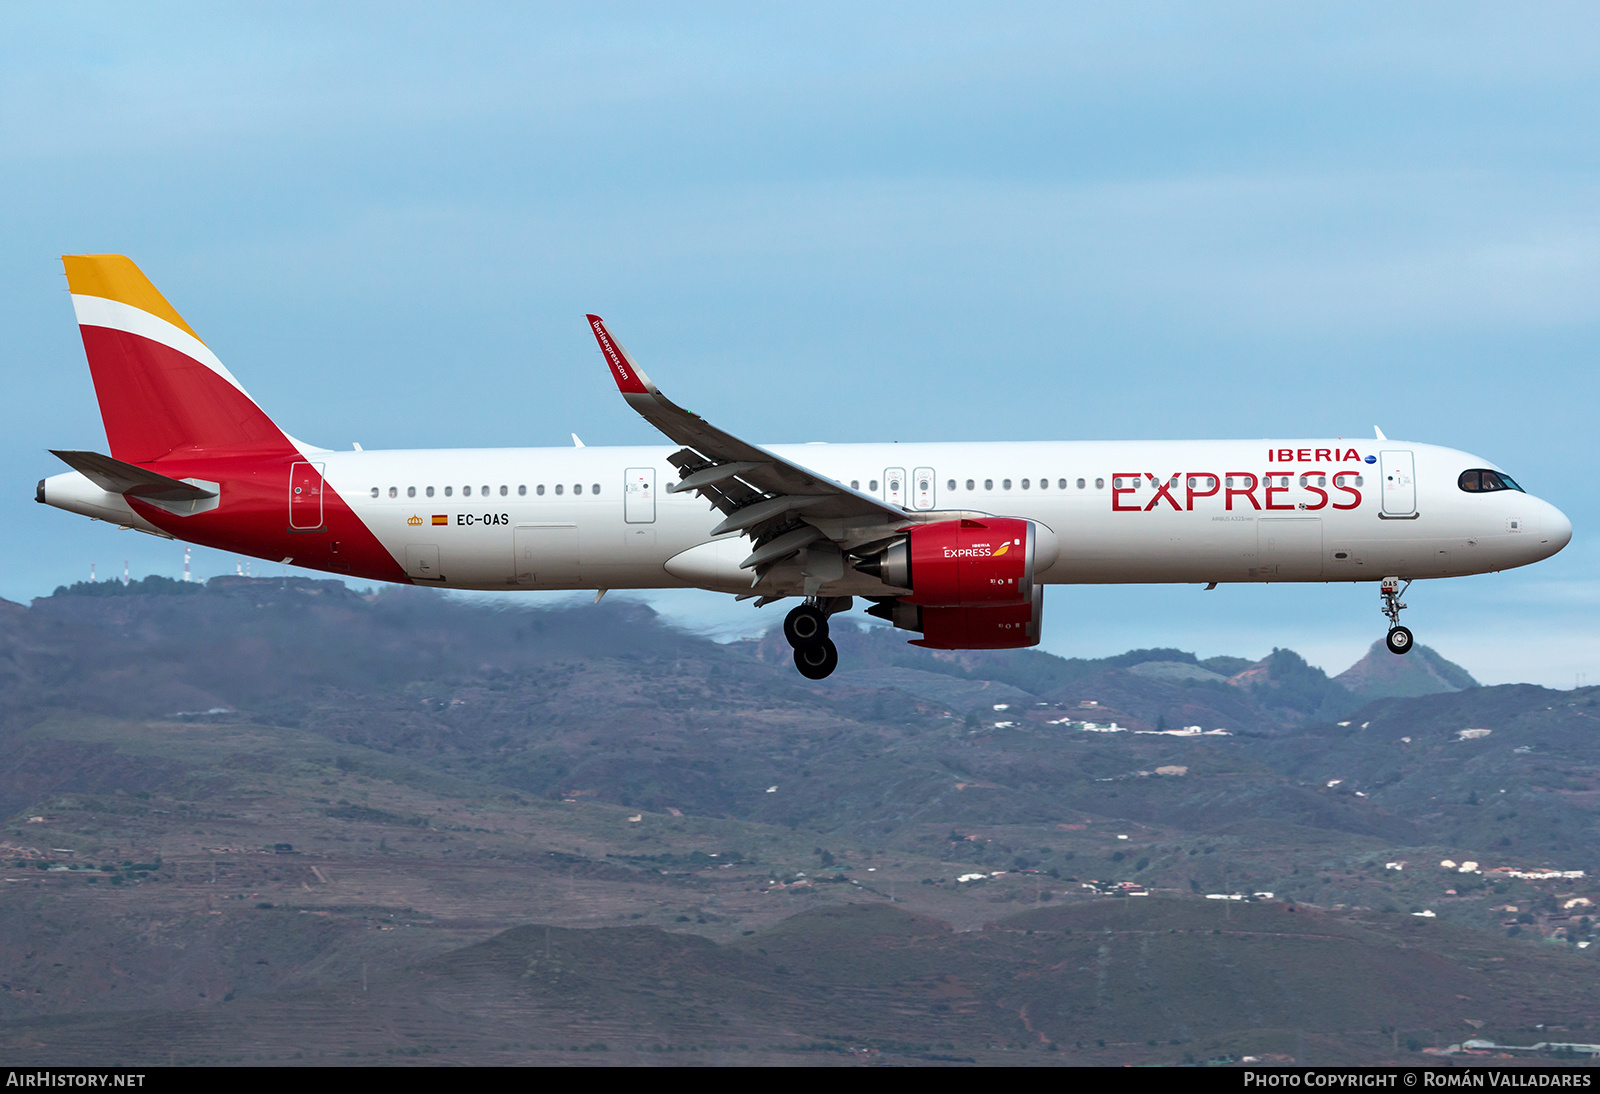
x: 1399, y: 638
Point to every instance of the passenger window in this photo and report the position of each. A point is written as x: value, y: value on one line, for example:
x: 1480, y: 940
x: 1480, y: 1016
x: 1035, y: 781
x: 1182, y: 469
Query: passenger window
x: 411, y: 491
x: 539, y: 489
x: 504, y: 490
x: 1099, y: 484
x: 430, y: 491
x: 1360, y: 480
x: 1005, y: 484
x: 1024, y: 484
x: 577, y: 488
x: 970, y: 484
x: 522, y: 491
x: 374, y: 491
x: 558, y: 489
x: 1062, y: 484
x: 951, y: 485
x: 1322, y: 480
x: 595, y: 489
x: 448, y: 490
x: 872, y: 484
x: 394, y: 493
x: 484, y: 490
x: 466, y: 491
x: 988, y: 484
x: 855, y: 484
x: 1080, y: 484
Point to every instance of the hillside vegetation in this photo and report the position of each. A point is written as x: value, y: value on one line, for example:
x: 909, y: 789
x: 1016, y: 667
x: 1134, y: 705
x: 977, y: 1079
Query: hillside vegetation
x: 278, y: 820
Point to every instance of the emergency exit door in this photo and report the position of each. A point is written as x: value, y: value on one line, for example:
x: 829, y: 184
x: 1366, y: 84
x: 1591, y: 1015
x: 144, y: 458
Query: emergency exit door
x: 894, y: 485
x: 922, y: 488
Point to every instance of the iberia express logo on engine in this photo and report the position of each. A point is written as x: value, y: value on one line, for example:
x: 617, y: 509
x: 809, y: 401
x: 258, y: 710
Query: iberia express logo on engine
x: 979, y: 550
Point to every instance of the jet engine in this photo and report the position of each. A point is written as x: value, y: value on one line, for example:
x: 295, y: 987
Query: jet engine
x: 964, y: 563
x: 971, y: 581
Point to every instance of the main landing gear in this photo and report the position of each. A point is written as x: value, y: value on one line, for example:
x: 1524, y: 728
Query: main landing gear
x: 1399, y: 638
x: 806, y: 628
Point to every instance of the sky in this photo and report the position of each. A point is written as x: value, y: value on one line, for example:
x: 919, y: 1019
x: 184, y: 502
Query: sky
x: 843, y: 223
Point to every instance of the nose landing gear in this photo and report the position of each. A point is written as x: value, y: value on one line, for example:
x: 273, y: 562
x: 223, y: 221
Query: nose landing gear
x: 1399, y: 638
x: 806, y: 629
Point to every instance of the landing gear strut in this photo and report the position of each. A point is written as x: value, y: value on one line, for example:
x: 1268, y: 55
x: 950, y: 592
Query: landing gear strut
x: 1399, y: 638
x: 806, y: 629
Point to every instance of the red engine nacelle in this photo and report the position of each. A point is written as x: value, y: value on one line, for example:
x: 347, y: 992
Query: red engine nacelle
x: 1011, y: 627
x: 961, y: 563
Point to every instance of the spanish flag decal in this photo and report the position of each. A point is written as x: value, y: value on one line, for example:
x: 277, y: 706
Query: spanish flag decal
x: 440, y: 518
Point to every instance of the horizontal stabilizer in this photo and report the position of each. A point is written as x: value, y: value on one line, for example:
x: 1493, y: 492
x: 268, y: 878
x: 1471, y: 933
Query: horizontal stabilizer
x: 131, y: 480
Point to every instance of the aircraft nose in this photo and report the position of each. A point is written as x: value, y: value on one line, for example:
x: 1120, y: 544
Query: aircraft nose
x: 1555, y: 529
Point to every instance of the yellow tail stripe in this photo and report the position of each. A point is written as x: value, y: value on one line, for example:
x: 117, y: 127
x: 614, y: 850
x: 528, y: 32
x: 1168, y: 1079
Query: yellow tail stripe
x: 115, y: 277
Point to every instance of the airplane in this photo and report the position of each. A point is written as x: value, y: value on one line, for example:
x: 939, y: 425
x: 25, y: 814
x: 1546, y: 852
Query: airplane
x: 953, y: 542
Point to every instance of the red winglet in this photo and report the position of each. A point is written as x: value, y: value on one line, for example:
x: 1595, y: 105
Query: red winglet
x: 630, y: 381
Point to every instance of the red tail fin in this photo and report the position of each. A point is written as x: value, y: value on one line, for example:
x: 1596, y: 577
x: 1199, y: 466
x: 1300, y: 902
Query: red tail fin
x: 161, y: 389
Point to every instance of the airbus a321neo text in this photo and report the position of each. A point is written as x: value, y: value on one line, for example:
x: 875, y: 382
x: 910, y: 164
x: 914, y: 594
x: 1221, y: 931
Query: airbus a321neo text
x: 955, y: 542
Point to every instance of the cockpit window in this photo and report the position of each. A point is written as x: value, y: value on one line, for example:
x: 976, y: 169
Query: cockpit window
x: 1482, y: 481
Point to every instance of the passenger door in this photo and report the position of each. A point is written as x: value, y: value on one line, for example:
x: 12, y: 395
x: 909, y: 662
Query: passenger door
x: 1399, y: 484
x: 639, y: 495
x: 305, y: 497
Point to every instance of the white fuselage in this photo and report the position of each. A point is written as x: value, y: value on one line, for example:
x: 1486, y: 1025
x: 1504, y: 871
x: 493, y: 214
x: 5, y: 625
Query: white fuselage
x: 567, y: 518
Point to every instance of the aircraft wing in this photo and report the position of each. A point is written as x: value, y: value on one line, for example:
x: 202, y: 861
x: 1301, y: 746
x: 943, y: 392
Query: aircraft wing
x: 782, y: 506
